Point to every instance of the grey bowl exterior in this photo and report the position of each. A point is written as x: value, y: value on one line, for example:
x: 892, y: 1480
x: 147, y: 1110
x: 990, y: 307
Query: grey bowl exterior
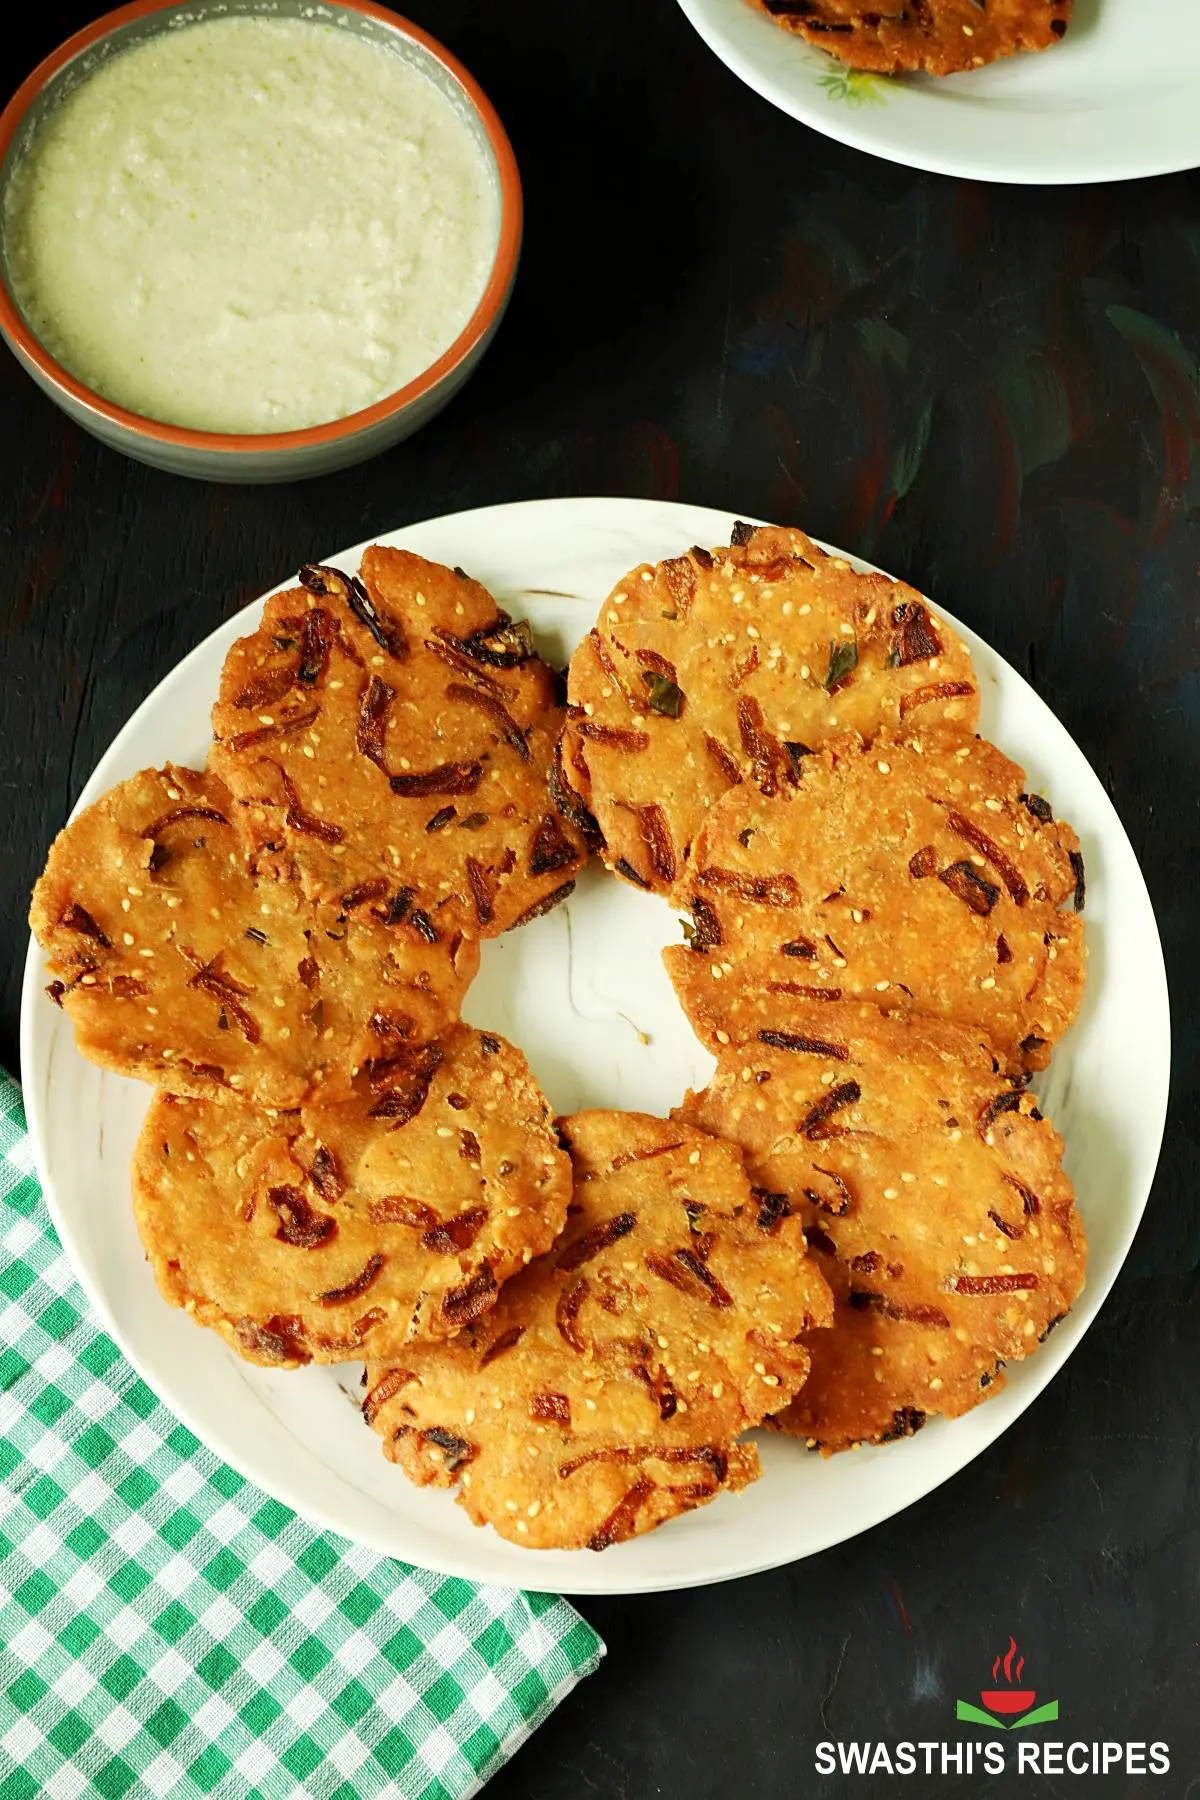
x: 241, y: 462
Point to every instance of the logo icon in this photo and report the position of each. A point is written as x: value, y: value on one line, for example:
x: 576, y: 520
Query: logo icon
x: 1010, y: 1706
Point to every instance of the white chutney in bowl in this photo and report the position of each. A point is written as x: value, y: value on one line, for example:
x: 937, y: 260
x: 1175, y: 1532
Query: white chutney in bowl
x: 256, y: 228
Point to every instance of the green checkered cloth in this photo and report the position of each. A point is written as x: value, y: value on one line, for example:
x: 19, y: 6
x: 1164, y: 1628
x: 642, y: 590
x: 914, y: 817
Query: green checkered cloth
x: 167, y: 1630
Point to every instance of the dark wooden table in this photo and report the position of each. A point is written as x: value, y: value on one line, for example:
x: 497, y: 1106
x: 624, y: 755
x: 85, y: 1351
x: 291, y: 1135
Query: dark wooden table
x: 992, y: 391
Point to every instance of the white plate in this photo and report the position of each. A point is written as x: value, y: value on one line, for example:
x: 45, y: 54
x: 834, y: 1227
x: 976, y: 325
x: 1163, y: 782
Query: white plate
x: 1120, y: 96
x: 575, y: 989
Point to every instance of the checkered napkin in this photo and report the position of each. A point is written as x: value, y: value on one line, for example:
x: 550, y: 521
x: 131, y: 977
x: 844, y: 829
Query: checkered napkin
x: 166, y: 1630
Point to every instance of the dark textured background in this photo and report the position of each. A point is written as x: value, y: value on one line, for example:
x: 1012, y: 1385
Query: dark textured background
x: 991, y: 391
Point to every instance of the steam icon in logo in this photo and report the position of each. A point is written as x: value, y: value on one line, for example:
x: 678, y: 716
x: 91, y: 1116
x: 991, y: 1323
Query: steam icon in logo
x: 1009, y: 1706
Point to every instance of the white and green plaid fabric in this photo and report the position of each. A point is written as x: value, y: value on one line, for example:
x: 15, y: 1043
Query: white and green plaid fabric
x: 167, y: 1630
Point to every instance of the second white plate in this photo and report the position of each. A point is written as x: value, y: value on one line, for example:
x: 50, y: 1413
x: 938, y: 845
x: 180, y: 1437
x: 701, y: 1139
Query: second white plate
x: 584, y: 993
x: 1117, y: 98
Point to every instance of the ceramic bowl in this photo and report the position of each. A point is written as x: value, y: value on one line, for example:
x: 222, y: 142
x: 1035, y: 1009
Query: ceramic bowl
x: 285, y: 455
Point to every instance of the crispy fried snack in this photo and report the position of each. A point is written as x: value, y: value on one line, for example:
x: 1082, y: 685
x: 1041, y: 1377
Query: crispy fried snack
x: 389, y: 738
x: 728, y: 666
x: 605, y: 1391
x: 335, y: 1231
x: 939, y: 36
x: 917, y: 876
x: 175, y: 967
x: 934, y: 1200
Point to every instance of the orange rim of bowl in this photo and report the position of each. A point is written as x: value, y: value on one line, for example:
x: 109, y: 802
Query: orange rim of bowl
x: 473, y: 332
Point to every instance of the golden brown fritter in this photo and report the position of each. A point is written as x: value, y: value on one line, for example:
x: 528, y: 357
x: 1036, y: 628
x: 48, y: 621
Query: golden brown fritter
x: 941, y: 37
x: 337, y: 1231
x: 917, y: 876
x: 935, y: 1204
x: 605, y: 1391
x: 389, y: 738
x: 727, y: 666
x: 175, y: 967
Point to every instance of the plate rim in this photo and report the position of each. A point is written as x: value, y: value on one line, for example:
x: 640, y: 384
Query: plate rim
x: 843, y: 126
x: 560, y: 1578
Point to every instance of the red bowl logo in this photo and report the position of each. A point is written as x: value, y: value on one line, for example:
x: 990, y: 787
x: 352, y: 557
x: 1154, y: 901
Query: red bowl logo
x: 1008, y: 1700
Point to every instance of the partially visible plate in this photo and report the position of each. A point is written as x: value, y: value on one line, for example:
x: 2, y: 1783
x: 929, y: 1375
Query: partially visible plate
x: 584, y: 992
x: 1119, y: 97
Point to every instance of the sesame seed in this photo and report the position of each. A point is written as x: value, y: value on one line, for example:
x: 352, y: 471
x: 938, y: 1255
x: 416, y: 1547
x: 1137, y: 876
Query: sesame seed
x: 891, y: 1193
x: 694, y: 1156
x: 128, y: 937
x: 884, y: 768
